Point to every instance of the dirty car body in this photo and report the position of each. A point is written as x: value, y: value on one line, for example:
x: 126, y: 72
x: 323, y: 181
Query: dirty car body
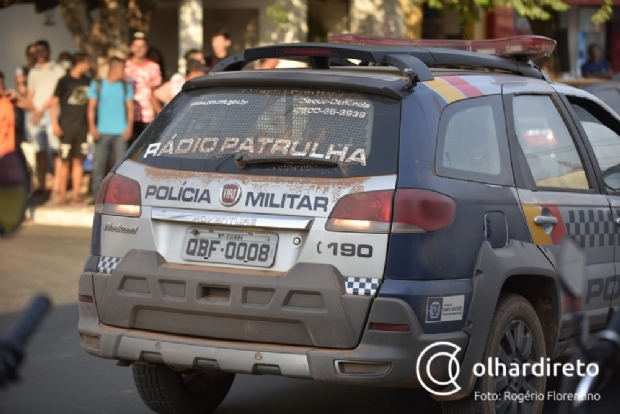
x: 331, y: 224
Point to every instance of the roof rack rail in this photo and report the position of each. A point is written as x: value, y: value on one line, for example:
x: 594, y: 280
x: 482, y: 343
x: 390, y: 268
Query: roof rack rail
x: 446, y: 58
x: 413, y: 62
x: 323, y: 55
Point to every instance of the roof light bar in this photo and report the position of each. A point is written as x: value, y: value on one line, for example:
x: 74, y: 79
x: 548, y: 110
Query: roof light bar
x: 527, y: 45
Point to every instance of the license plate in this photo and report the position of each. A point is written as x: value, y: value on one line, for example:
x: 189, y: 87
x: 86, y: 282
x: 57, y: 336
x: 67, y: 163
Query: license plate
x: 232, y: 247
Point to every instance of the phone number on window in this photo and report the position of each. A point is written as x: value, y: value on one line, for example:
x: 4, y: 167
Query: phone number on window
x: 330, y: 111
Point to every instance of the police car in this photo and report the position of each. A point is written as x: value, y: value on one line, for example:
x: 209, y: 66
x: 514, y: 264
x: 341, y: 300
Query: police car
x: 335, y: 221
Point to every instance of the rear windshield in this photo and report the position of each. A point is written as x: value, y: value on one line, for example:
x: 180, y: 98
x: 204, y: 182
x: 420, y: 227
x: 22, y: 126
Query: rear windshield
x: 202, y: 130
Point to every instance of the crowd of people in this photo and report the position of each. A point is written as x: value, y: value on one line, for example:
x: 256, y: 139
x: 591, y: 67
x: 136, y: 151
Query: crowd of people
x: 57, y: 104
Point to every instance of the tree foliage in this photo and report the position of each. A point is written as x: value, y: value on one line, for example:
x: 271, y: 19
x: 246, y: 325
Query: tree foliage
x: 533, y: 9
x: 279, y: 14
x: 105, y: 35
x: 110, y: 33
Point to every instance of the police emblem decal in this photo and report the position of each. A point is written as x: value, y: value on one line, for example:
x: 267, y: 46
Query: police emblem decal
x: 434, y: 306
x: 445, y: 308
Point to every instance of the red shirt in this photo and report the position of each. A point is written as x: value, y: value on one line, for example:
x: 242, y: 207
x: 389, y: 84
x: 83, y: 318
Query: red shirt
x: 144, y: 76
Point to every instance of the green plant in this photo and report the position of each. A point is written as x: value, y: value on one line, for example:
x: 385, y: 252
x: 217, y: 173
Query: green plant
x: 533, y: 9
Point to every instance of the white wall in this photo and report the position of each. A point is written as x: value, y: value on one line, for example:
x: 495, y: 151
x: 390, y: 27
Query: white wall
x: 19, y: 26
x: 377, y: 17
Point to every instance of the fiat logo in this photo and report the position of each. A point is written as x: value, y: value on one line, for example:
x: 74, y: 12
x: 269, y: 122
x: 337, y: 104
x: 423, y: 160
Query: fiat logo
x: 230, y: 194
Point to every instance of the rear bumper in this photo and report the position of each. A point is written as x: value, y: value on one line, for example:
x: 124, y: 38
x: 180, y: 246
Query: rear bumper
x: 306, y: 306
x: 381, y: 358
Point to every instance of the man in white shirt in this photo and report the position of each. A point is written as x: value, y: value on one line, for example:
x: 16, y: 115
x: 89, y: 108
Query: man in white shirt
x: 42, y: 80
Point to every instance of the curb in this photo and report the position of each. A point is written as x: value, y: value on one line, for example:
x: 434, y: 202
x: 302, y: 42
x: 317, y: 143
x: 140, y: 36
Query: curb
x: 73, y: 216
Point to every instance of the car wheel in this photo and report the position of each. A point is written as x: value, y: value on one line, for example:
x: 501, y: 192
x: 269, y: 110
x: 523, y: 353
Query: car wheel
x: 166, y: 391
x: 516, y: 336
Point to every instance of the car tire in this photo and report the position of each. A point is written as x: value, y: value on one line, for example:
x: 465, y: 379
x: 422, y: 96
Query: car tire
x: 514, y: 322
x: 166, y: 391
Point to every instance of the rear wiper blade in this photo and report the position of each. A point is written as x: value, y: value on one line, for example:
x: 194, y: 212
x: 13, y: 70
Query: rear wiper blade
x: 243, y: 160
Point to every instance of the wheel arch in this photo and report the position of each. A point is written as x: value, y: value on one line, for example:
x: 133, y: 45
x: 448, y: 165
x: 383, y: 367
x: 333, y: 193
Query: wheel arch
x: 542, y: 293
x: 504, y: 270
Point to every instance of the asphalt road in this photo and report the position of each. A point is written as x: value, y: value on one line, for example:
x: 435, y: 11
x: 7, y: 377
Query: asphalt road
x: 58, y: 377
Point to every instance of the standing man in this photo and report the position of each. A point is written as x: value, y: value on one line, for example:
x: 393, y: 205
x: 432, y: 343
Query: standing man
x: 166, y: 92
x: 21, y: 77
x: 596, y: 66
x: 162, y: 94
x: 145, y: 76
x: 110, y: 118
x: 21, y: 73
x: 72, y: 125
x: 195, y: 54
x: 42, y: 80
x: 220, y: 42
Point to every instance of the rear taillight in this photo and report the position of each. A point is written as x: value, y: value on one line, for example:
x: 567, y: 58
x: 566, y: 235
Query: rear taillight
x: 119, y: 196
x: 415, y: 211
x: 369, y: 212
x: 422, y: 211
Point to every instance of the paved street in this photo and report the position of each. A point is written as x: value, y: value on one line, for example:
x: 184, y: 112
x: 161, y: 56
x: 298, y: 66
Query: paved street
x: 59, y: 378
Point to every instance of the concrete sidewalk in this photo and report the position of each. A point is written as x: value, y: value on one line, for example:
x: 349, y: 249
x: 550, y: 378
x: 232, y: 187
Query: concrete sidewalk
x: 74, y: 216
x: 43, y: 211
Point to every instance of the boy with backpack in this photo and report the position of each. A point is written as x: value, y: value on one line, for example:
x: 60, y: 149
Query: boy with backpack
x: 110, y: 118
x: 71, y: 126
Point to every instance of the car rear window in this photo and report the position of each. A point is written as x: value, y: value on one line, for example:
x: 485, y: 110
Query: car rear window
x: 203, y: 129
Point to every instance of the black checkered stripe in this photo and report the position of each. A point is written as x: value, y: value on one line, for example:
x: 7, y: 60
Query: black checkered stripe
x: 590, y: 228
x: 361, y: 286
x: 107, y: 264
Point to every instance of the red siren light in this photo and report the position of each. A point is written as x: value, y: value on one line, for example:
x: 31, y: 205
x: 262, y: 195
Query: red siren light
x: 526, y: 45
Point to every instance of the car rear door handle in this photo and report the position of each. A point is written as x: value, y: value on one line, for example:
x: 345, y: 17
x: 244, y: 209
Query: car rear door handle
x: 618, y: 221
x: 545, y: 220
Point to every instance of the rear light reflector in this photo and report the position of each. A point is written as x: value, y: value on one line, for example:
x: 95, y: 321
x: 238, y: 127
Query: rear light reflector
x: 119, y: 196
x: 362, y: 368
x: 369, y: 212
x: 394, y: 327
x: 422, y: 211
x: 85, y: 298
x: 571, y: 303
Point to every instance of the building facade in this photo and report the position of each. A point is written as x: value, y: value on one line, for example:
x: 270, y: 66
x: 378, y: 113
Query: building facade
x: 581, y: 32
